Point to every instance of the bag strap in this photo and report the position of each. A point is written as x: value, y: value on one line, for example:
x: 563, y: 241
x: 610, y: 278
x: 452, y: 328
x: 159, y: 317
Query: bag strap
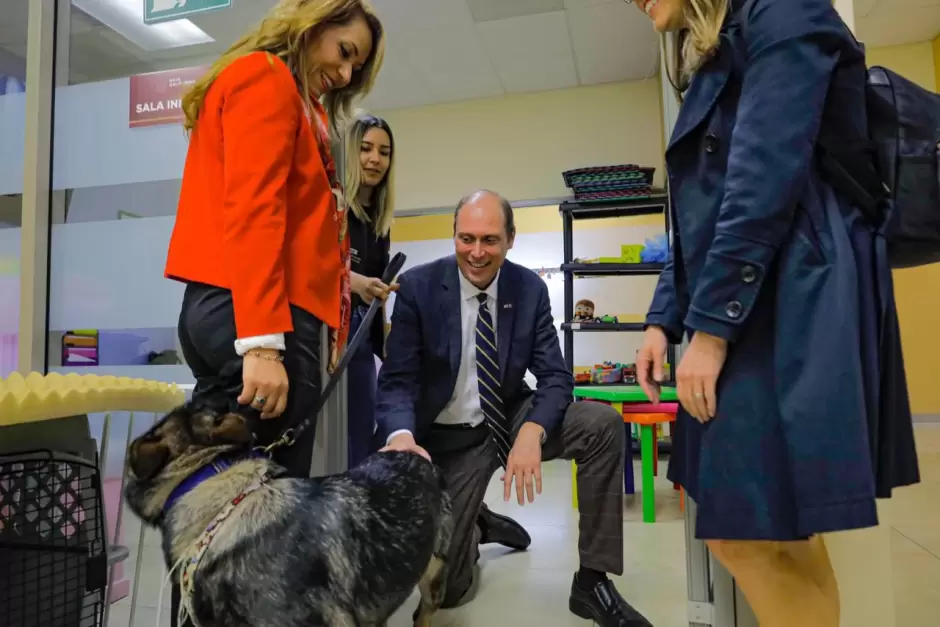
x: 851, y: 170
x: 850, y: 167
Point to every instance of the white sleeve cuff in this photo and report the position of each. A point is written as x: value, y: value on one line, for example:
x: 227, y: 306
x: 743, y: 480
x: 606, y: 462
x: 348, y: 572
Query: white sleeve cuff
x: 274, y: 341
x: 395, y: 434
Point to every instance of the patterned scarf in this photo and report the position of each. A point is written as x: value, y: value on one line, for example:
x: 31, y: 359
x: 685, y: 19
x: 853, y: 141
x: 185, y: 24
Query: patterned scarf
x: 340, y: 214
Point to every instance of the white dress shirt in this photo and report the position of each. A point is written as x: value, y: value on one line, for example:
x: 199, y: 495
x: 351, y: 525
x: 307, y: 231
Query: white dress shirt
x: 275, y: 341
x: 464, y: 406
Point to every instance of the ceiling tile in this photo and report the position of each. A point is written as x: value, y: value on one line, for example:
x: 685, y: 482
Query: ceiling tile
x: 492, y: 10
x: 531, y: 53
x: 573, y: 4
x: 228, y: 25
x: 398, y: 85
x: 404, y: 16
x: 451, y: 63
x: 613, y: 42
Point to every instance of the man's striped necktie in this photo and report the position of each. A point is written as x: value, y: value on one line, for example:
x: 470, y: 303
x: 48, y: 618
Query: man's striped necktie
x: 488, y: 378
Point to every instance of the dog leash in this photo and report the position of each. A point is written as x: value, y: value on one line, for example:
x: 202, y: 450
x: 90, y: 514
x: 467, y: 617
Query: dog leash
x: 290, y: 434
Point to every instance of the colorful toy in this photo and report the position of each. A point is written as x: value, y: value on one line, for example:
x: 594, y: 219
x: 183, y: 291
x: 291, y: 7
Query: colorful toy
x: 607, y: 372
x: 631, y: 253
x: 606, y: 319
x: 584, y: 310
x: 80, y: 348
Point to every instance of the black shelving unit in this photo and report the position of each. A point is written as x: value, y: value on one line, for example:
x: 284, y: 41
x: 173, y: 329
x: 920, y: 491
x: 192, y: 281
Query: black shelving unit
x: 612, y: 269
x: 570, y: 211
x: 601, y: 326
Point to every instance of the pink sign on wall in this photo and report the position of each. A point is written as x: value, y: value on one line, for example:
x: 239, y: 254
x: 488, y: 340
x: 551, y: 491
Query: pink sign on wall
x: 156, y: 98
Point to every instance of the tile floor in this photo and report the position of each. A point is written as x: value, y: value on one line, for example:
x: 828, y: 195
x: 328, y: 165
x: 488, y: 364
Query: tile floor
x: 531, y: 589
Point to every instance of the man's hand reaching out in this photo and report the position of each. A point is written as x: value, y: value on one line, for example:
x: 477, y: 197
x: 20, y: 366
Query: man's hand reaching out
x: 524, y: 466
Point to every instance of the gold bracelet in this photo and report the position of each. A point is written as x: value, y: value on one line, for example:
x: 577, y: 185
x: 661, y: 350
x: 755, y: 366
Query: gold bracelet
x: 268, y: 356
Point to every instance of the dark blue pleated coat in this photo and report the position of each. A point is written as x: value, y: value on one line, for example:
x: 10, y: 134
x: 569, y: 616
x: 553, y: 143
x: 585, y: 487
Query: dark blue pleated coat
x: 813, y: 417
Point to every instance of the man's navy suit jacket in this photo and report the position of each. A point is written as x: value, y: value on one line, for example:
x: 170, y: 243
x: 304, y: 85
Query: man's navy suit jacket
x: 423, y: 350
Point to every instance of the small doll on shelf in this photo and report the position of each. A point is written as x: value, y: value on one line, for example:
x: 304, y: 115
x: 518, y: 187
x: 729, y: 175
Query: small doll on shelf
x: 584, y: 310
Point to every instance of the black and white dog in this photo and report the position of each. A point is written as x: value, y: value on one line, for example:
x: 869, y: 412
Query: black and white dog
x: 253, y: 547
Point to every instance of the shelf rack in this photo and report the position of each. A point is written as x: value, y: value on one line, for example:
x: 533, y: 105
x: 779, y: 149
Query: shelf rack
x: 570, y: 211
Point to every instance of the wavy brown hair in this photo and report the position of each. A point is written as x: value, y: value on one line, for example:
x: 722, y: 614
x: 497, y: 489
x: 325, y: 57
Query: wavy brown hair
x: 286, y: 32
x: 383, y: 196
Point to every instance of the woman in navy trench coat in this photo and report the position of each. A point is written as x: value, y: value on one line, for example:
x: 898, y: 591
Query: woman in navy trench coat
x: 795, y: 410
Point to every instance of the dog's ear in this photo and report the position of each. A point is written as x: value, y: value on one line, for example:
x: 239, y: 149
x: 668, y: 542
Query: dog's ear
x: 148, y: 457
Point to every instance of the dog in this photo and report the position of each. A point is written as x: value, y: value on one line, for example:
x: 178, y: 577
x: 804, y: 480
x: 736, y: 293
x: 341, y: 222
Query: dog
x: 256, y: 547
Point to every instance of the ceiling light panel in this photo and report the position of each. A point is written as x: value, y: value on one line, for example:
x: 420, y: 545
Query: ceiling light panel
x: 126, y: 17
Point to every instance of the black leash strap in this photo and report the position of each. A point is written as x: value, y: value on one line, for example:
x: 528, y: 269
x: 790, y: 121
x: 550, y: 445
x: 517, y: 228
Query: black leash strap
x: 290, y: 434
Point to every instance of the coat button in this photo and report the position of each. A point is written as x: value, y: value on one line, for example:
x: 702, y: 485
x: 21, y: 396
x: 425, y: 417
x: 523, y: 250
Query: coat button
x: 711, y: 143
x: 733, y: 310
x: 748, y: 274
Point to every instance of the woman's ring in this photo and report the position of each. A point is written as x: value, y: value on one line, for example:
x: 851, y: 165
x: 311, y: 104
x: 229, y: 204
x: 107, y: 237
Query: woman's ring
x: 259, y: 400
x: 697, y: 395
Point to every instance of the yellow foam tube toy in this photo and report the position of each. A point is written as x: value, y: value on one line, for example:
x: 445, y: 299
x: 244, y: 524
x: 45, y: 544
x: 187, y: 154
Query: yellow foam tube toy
x: 36, y: 397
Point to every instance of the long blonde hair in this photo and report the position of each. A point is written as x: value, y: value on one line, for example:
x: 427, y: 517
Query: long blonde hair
x: 692, y: 46
x: 383, y: 195
x: 286, y: 33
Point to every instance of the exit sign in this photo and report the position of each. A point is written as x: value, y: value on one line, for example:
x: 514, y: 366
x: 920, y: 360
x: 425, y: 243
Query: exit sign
x: 157, y: 11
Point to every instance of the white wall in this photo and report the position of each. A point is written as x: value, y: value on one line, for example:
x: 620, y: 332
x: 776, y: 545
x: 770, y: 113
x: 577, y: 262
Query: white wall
x: 519, y: 145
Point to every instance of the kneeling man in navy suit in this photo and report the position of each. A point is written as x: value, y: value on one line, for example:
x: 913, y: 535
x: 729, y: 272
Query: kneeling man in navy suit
x: 465, y: 329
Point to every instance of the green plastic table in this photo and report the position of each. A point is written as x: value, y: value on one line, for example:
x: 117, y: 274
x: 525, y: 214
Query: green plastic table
x: 622, y: 393
x: 618, y: 396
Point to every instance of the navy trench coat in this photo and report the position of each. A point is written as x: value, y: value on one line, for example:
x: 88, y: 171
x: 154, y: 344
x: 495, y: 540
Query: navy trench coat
x: 813, y: 419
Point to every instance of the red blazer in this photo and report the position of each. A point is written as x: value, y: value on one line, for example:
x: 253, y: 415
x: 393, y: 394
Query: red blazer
x: 256, y: 212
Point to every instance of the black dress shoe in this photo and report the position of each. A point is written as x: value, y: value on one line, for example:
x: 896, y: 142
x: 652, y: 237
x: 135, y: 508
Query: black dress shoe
x: 502, y: 530
x: 604, y: 605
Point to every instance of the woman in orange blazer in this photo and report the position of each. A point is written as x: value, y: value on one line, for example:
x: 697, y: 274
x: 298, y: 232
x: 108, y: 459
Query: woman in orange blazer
x: 260, y: 239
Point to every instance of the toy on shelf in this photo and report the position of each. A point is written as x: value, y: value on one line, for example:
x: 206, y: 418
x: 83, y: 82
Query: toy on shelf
x: 655, y: 250
x: 80, y: 348
x: 631, y: 253
x: 611, y: 373
x: 607, y: 372
x: 584, y: 310
x: 584, y: 314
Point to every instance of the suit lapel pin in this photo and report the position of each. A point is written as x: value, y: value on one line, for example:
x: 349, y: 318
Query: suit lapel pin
x: 507, y: 306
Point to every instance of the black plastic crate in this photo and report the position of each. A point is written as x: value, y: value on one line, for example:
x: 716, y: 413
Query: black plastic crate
x: 53, y: 548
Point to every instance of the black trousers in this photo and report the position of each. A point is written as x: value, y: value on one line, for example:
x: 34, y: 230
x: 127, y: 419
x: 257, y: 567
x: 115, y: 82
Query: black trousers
x: 207, y: 338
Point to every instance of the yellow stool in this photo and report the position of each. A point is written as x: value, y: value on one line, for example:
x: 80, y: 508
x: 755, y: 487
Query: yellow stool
x: 574, y: 484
